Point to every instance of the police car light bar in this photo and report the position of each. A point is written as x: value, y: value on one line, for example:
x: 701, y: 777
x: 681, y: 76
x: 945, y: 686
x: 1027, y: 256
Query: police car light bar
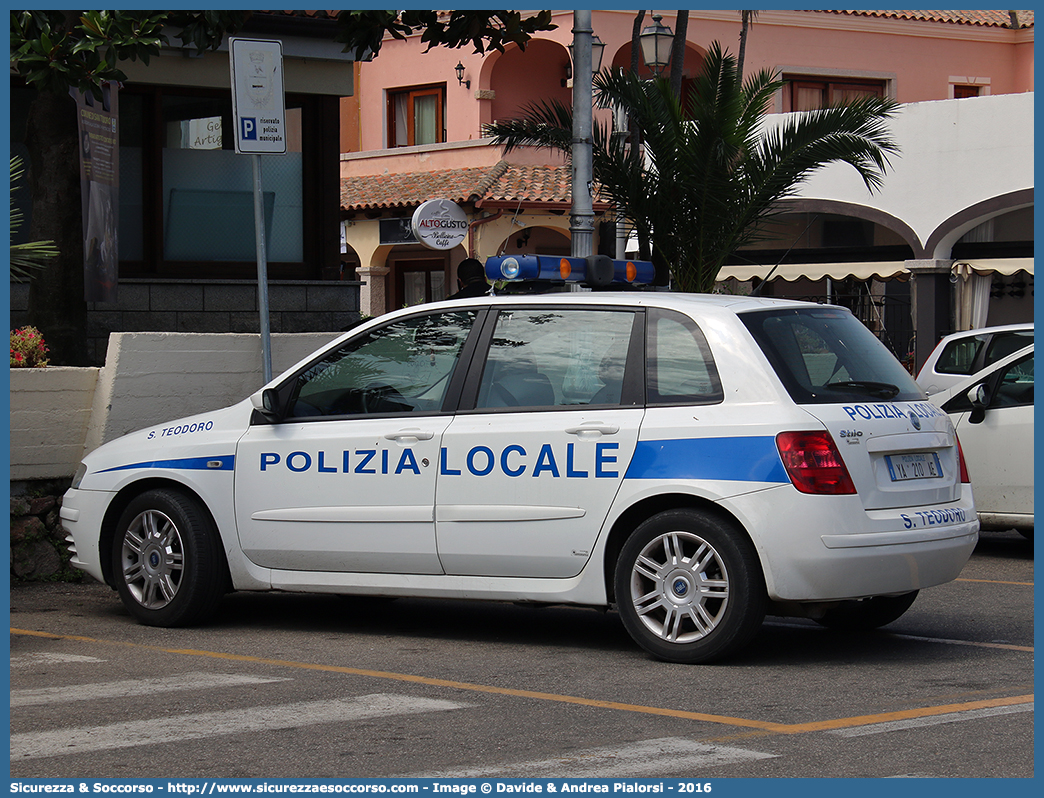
x: 597, y: 271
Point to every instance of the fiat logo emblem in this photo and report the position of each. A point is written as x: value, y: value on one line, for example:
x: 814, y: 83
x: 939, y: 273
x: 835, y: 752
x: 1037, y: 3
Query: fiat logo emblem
x: 915, y: 420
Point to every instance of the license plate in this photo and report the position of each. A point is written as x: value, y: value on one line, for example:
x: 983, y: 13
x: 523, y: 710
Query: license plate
x: 917, y: 465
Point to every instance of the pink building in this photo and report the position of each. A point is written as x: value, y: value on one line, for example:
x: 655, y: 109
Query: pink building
x: 413, y: 131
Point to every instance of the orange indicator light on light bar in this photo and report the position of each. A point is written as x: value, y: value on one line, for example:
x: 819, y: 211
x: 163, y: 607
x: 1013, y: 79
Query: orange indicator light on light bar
x: 565, y: 268
x: 632, y: 271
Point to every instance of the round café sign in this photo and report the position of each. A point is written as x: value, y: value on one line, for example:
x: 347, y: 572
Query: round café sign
x: 439, y: 224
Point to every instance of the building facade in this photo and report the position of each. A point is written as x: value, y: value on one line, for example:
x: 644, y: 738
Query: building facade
x: 414, y: 129
x: 187, y: 255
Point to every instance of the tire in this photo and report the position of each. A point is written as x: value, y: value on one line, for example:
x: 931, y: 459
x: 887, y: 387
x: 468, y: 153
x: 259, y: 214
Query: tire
x: 689, y: 587
x: 167, y: 560
x: 867, y: 614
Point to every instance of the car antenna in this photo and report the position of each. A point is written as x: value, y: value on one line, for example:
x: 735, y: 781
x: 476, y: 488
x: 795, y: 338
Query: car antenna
x: 757, y: 290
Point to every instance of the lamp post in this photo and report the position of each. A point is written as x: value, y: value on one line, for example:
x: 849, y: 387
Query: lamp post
x: 656, y: 42
x: 581, y: 219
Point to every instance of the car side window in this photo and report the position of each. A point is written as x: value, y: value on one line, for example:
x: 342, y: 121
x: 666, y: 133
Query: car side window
x: 556, y: 357
x: 1004, y: 344
x: 680, y: 368
x: 403, y: 367
x: 959, y: 356
x: 1015, y: 388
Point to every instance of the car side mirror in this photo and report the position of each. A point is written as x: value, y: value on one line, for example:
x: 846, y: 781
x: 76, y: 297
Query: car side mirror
x: 979, y: 397
x: 266, y: 403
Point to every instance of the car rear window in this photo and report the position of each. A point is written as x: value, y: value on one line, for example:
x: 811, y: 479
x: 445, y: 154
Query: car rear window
x: 824, y: 355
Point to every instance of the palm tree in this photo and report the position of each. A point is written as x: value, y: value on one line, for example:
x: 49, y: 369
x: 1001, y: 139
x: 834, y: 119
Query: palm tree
x: 28, y: 255
x: 702, y: 181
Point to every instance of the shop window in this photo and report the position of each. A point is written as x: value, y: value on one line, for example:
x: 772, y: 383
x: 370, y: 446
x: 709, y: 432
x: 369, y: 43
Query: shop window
x: 187, y: 198
x: 809, y: 93
x: 415, y: 116
x: 208, y: 189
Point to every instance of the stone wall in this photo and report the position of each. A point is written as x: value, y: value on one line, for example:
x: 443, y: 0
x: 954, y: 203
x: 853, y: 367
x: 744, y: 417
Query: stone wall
x: 210, y: 306
x: 58, y: 414
x: 38, y: 549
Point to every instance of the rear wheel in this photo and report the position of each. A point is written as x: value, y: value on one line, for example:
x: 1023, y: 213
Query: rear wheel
x: 689, y: 587
x: 866, y: 614
x: 167, y: 559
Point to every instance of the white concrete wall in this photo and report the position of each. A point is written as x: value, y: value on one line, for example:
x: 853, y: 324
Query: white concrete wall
x: 150, y: 378
x: 50, y: 412
x: 955, y: 154
x: 58, y: 414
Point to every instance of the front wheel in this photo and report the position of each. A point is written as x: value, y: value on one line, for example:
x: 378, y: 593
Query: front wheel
x: 868, y: 613
x: 167, y: 559
x: 689, y: 587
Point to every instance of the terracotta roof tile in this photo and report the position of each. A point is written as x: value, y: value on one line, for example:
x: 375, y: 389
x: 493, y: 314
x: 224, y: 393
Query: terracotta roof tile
x: 993, y: 19
x: 501, y: 183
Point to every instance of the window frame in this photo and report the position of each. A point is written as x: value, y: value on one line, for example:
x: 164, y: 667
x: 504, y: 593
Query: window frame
x: 412, y: 93
x: 154, y: 264
x: 831, y: 86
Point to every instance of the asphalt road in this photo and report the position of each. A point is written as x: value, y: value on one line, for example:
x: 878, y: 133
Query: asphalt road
x: 297, y: 686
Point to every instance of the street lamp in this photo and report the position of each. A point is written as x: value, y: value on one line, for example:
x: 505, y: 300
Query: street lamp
x: 597, y: 48
x: 656, y: 42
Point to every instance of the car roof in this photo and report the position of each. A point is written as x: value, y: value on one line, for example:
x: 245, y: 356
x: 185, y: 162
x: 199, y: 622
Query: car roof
x: 664, y: 299
x: 990, y: 330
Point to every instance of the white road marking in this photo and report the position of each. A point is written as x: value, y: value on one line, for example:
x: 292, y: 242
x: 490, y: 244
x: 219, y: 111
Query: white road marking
x: 49, y: 658
x: 933, y: 720
x: 646, y: 758
x: 131, y: 734
x: 132, y: 687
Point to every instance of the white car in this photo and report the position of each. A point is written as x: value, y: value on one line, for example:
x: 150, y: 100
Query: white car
x: 993, y: 413
x: 959, y: 355
x: 693, y: 461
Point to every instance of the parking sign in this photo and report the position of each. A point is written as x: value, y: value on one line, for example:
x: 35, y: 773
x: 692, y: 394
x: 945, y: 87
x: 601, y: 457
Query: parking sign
x: 257, y: 95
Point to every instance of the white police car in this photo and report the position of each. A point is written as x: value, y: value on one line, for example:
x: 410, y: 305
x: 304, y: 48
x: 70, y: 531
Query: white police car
x: 694, y: 461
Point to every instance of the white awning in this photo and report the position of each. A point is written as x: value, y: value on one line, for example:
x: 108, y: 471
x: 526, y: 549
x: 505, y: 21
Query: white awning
x: 1006, y: 266
x: 882, y: 270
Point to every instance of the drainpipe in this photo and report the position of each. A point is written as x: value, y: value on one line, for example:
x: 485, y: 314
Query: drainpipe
x: 476, y: 223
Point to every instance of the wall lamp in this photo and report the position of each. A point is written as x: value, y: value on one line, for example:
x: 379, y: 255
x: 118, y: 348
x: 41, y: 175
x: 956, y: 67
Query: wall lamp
x: 459, y: 69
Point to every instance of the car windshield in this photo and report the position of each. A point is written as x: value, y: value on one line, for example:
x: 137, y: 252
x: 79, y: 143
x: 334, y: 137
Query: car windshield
x: 825, y: 354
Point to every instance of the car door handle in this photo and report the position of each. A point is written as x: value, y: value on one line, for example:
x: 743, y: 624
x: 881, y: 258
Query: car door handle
x: 408, y: 435
x: 593, y: 430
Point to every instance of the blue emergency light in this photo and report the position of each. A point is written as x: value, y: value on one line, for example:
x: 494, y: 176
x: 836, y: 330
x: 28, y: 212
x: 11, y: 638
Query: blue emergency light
x: 596, y: 271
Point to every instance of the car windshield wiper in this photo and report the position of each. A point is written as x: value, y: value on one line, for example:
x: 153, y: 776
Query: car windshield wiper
x: 882, y: 390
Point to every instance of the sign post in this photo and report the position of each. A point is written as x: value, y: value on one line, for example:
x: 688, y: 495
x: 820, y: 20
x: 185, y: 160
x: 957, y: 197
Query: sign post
x: 259, y: 114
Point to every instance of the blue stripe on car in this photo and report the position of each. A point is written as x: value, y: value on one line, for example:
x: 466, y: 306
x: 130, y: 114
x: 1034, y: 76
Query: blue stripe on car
x: 227, y: 463
x: 752, y: 459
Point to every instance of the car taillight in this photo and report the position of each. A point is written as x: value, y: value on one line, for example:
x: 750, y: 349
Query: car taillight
x: 814, y: 463
x: 964, y: 465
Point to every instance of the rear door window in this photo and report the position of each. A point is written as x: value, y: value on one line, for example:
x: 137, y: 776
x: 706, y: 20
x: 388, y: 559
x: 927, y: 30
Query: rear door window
x: 680, y: 367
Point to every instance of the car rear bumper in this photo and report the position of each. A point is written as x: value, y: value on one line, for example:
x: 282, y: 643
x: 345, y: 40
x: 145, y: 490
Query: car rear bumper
x: 840, y: 551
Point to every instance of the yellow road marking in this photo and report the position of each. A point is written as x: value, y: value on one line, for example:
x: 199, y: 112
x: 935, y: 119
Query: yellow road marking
x: 994, y: 582
x: 757, y: 725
